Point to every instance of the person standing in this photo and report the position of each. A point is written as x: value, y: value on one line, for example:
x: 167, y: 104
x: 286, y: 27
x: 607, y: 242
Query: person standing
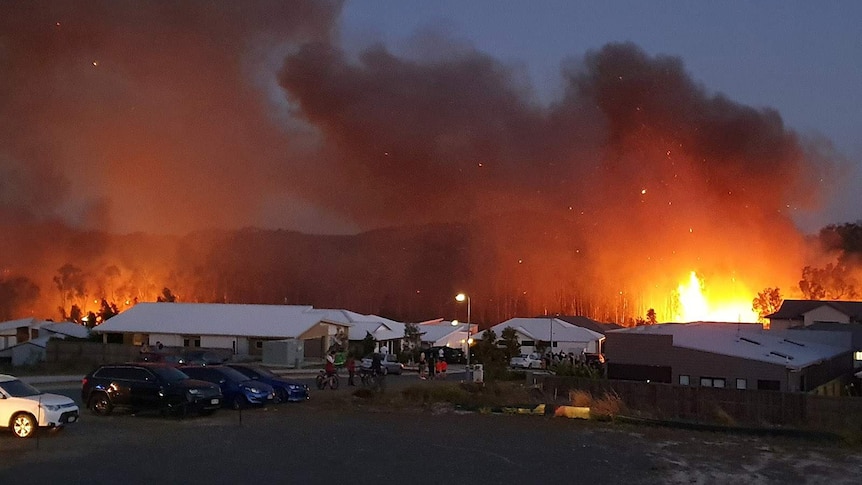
x: 422, y: 366
x: 351, y: 369
x: 431, y: 363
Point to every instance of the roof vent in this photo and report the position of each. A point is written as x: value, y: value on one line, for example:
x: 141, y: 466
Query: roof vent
x: 783, y: 356
x: 794, y: 343
x: 755, y: 342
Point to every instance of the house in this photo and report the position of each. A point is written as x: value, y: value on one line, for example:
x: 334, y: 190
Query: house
x: 822, y: 315
x: 243, y: 328
x: 30, y: 350
x: 442, y: 333
x: 552, y: 333
x: 740, y: 356
x: 14, y: 332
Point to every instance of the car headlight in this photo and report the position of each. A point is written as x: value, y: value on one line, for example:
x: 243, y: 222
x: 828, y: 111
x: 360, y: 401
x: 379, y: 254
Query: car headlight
x: 253, y: 390
x: 51, y: 407
x: 194, y: 391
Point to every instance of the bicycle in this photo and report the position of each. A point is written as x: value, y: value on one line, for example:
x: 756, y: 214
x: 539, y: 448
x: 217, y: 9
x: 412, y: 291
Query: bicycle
x: 324, y: 381
x: 373, y: 380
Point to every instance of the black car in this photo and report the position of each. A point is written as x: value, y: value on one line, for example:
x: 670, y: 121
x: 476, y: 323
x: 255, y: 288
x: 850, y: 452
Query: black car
x: 147, y: 386
x: 450, y: 355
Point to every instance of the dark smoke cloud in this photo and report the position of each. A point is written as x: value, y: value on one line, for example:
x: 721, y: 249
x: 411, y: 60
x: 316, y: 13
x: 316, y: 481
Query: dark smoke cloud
x: 159, y: 117
x: 130, y: 115
x: 650, y: 172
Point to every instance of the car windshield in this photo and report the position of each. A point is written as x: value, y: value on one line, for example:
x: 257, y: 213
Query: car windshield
x: 233, y: 375
x: 18, y: 388
x: 169, y: 373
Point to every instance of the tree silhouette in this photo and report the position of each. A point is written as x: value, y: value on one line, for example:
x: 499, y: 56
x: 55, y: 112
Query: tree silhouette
x: 766, y: 303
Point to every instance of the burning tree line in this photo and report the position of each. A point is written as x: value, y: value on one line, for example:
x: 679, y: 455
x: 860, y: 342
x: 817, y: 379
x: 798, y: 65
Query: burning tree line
x: 408, y: 275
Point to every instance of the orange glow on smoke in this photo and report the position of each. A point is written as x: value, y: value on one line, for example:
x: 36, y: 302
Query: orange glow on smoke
x: 721, y: 302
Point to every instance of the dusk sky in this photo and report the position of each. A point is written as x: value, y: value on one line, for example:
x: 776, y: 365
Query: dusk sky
x: 801, y: 58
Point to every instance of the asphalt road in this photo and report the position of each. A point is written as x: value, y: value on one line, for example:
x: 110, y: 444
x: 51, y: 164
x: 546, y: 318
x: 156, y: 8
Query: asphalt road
x: 327, y: 440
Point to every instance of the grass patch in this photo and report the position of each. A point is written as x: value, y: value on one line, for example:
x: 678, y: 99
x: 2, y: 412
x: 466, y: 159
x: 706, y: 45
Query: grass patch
x: 469, y: 395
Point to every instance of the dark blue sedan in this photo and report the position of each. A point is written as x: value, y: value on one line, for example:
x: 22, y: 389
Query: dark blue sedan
x: 285, y: 390
x: 238, y: 390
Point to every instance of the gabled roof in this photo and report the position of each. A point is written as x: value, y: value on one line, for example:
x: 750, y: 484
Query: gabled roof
x: 589, y: 324
x: 69, y: 329
x: 540, y: 329
x: 21, y: 322
x: 796, y: 309
x: 433, y: 332
x: 269, y: 321
x: 748, y: 341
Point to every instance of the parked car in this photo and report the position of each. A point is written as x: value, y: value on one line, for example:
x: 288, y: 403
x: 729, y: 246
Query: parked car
x: 162, y: 357
x: 201, y: 357
x: 24, y: 409
x: 147, y: 386
x: 450, y: 355
x: 285, y: 389
x: 239, y: 391
x: 526, y: 361
x: 389, y: 363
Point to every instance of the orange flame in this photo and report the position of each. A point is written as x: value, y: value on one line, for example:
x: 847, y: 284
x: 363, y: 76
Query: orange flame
x: 730, y: 302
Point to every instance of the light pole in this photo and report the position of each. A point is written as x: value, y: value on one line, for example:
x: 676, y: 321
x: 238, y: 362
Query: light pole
x: 460, y: 297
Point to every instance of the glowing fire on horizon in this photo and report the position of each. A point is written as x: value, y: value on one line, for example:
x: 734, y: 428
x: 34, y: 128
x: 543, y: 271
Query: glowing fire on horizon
x: 729, y: 303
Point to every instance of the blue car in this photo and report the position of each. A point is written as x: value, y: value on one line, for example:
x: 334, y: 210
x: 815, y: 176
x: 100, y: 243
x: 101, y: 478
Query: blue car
x: 238, y: 390
x: 285, y: 390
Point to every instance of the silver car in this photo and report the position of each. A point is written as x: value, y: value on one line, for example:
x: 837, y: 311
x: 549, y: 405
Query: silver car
x: 389, y: 363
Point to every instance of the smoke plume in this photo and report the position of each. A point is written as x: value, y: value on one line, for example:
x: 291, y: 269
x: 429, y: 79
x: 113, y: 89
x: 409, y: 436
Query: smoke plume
x: 175, y: 118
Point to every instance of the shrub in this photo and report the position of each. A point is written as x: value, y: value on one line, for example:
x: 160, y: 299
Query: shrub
x: 607, y: 407
x: 581, y: 398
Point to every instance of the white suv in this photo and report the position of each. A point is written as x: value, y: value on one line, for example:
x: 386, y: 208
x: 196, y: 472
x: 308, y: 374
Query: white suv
x: 24, y: 408
x: 526, y: 361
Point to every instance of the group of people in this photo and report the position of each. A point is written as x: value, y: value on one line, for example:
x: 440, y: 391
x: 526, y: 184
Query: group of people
x: 434, y: 367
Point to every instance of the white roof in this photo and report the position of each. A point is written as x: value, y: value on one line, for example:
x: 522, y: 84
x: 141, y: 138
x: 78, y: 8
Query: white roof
x: 21, y: 322
x: 434, y: 333
x: 540, y: 329
x: 269, y: 321
x: 747, y: 341
x: 69, y: 329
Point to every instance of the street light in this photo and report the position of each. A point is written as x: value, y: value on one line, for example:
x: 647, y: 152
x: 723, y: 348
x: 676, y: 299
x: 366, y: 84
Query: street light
x: 460, y: 297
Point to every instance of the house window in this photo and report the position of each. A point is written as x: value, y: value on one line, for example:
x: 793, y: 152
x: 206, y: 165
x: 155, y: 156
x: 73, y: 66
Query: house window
x: 683, y: 380
x: 191, y: 341
x: 258, y: 344
x: 857, y: 355
x: 741, y: 384
x: 768, y: 385
x: 711, y: 382
x: 531, y: 343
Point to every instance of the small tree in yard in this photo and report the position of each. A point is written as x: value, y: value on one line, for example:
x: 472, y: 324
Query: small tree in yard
x: 413, y: 338
x: 491, y: 356
x: 367, y: 344
x: 511, y: 347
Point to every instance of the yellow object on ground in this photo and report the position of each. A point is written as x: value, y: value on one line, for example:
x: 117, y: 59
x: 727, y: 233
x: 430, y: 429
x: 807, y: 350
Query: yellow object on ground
x: 577, y: 412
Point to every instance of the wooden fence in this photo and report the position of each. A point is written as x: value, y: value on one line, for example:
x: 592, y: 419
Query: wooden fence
x: 74, y: 352
x: 723, y: 406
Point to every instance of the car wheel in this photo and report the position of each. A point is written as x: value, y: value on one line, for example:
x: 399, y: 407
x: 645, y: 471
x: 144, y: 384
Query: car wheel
x: 238, y: 402
x: 101, y: 405
x: 24, y: 425
x: 280, y: 396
